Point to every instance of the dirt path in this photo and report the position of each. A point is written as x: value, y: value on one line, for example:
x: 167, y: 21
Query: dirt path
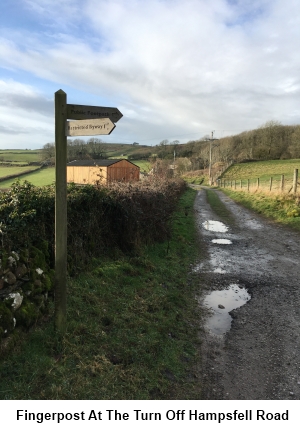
x: 259, y: 357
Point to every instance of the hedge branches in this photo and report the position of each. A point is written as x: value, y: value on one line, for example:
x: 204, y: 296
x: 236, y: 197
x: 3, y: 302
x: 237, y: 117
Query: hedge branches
x: 120, y: 216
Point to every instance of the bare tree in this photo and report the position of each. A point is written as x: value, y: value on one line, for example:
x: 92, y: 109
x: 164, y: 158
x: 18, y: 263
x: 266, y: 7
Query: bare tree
x: 96, y: 148
x: 48, y: 151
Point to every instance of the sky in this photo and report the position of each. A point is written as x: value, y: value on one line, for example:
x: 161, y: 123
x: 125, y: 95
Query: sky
x: 176, y: 69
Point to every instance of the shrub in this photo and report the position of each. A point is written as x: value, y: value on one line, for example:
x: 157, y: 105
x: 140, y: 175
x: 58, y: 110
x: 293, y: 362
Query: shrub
x: 120, y: 216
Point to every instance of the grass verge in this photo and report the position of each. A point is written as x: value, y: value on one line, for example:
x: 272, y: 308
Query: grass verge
x: 132, y: 329
x: 284, y: 208
x: 218, y: 207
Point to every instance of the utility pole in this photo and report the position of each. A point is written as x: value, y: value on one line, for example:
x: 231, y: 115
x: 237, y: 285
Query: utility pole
x: 210, y: 156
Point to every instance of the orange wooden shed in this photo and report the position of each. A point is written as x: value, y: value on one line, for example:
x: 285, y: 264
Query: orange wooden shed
x: 102, y: 171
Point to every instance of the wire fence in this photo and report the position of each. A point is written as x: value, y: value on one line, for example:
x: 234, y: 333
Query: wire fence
x: 281, y: 184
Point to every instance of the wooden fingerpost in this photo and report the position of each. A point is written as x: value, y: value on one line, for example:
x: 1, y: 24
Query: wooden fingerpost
x: 60, y: 211
x: 295, y: 180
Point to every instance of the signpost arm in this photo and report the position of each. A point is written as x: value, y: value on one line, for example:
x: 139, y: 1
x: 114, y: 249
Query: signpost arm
x: 60, y: 211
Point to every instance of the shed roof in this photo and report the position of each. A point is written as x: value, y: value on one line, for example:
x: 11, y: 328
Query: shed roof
x: 100, y: 162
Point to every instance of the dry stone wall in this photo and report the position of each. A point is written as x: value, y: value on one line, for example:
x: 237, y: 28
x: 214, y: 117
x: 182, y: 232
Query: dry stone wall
x: 25, y: 285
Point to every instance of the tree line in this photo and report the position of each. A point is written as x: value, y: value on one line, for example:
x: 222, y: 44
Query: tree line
x: 271, y: 141
x: 94, y: 148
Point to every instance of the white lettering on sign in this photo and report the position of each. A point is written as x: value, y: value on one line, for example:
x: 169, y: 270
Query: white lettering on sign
x: 89, y: 127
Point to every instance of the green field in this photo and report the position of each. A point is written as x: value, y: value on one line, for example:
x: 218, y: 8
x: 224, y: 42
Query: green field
x: 14, y: 170
x: 38, y: 178
x: 20, y: 156
x: 264, y: 170
x: 144, y: 165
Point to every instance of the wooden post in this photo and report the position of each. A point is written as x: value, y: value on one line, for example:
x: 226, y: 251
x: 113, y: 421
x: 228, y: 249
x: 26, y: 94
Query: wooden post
x: 248, y: 184
x: 271, y: 182
x: 60, y: 211
x: 257, y: 183
x: 282, y: 183
x: 295, y: 180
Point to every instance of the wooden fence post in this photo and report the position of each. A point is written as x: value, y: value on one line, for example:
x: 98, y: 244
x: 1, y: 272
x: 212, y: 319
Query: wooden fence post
x: 257, y: 183
x: 248, y: 184
x: 271, y: 182
x: 295, y: 180
x: 60, y: 211
x: 282, y: 183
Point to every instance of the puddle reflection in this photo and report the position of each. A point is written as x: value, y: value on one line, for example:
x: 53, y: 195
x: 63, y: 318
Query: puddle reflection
x: 221, y: 303
x: 222, y: 241
x: 216, y: 226
x: 219, y: 270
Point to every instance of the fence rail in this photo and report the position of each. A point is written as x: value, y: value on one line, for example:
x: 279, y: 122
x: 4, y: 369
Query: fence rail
x: 279, y: 184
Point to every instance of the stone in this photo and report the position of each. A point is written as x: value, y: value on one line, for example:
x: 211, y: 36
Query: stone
x: 21, y: 271
x: 11, y: 261
x: 10, y: 278
x: 221, y: 306
x: 17, y: 300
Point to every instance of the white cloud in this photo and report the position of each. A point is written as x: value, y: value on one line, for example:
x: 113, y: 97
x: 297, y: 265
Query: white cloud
x: 172, y: 67
x: 25, y: 116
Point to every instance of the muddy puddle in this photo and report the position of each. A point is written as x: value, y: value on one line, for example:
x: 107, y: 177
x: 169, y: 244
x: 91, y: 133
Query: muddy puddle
x: 215, y: 226
x: 219, y: 270
x: 222, y: 241
x: 220, y: 303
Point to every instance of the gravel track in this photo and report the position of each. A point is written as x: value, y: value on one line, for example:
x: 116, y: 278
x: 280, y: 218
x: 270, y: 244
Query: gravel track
x: 259, y: 357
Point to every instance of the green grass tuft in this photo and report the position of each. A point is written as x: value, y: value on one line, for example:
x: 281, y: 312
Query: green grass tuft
x: 218, y: 207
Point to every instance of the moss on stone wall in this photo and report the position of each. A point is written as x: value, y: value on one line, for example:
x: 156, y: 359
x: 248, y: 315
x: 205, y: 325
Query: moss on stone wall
x: 25, y: 284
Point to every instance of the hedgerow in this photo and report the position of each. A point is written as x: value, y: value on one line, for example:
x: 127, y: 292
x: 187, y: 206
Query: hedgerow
x: 120, y: 216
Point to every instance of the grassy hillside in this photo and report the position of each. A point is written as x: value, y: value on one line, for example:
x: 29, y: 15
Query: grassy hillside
x: 119, y: 150
x: 264, y: 170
